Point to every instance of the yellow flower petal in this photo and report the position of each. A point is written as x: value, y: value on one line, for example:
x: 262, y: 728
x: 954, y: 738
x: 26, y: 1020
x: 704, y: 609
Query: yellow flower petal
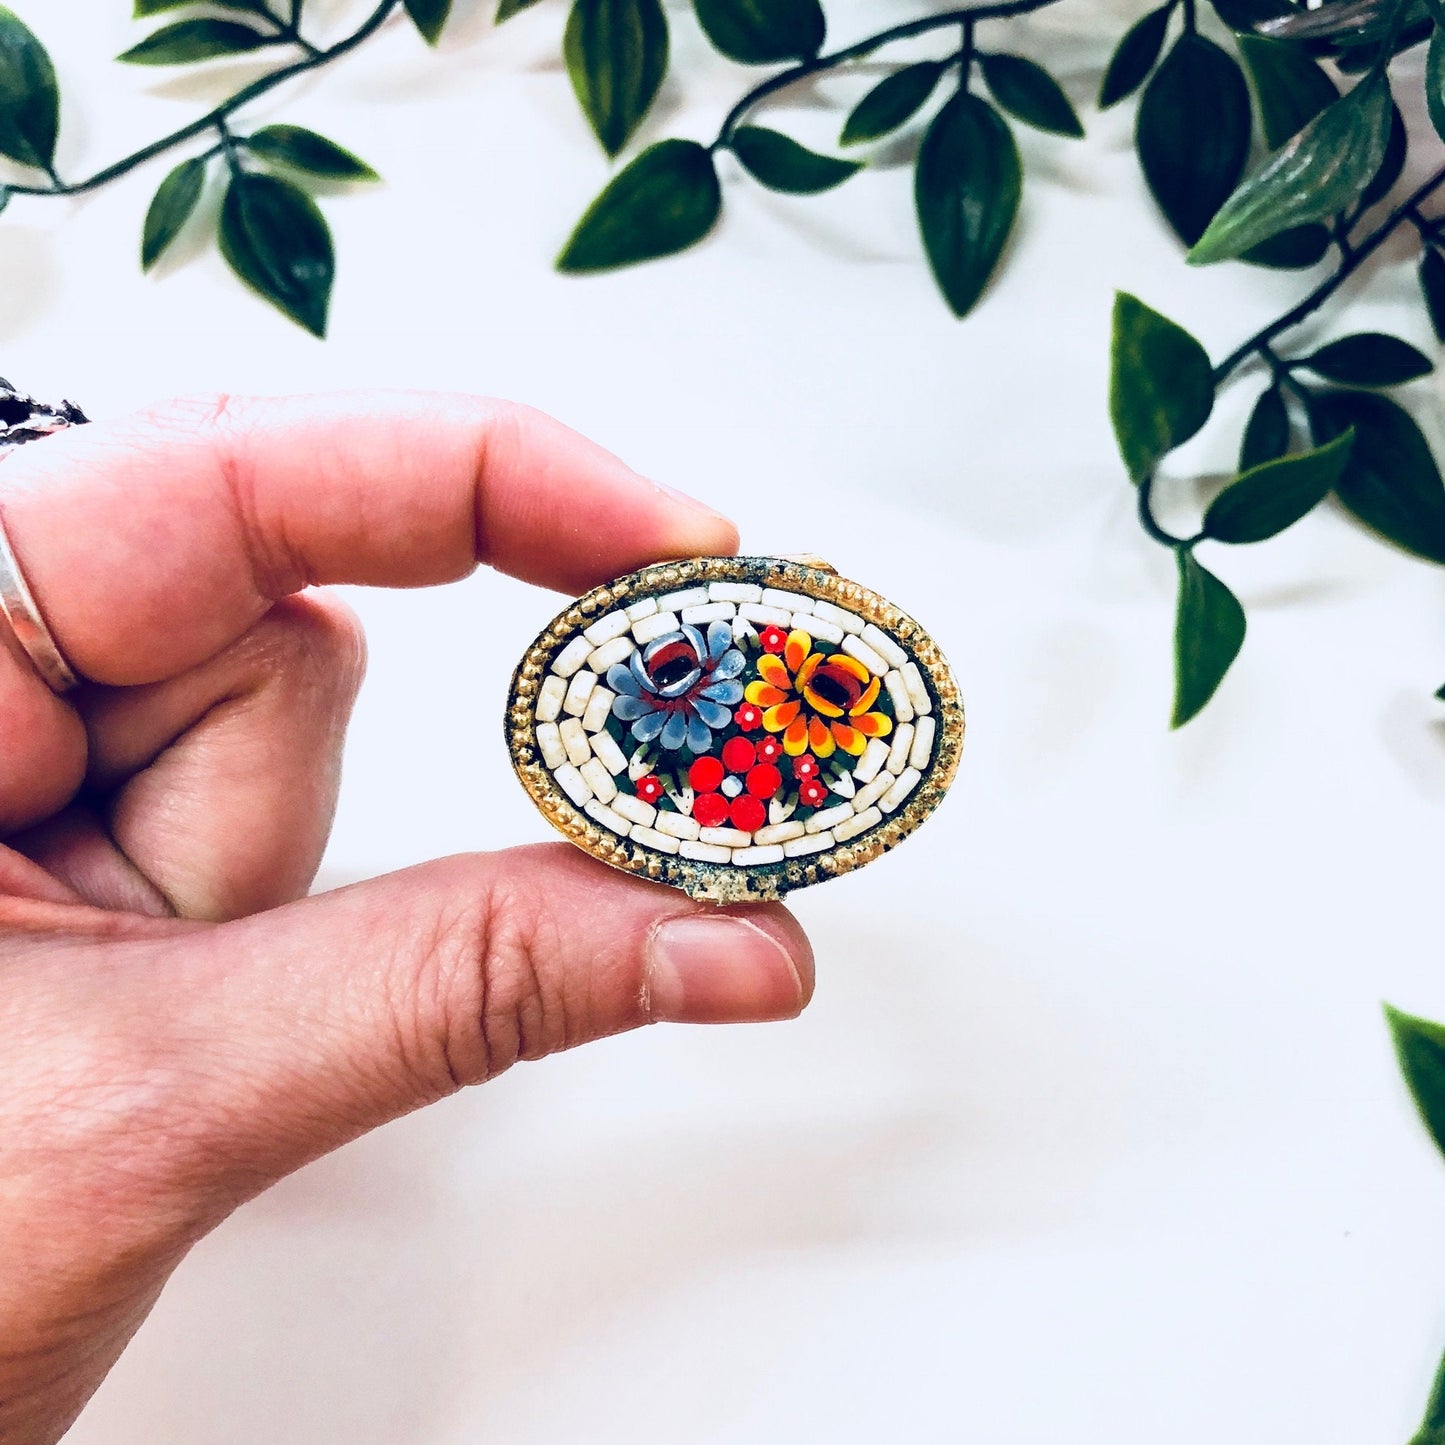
x: 772, y: 669
x: 851, y: 664
x: 820, y: 738
x: 821, y: 704
x: 810, y: 663
x: 795, y: 740
x: 849, y: 739
x: 776, y: 718
x: 763, y: 694
x: 870, y: 696
x: 798, y: 646
x: 873, y: 725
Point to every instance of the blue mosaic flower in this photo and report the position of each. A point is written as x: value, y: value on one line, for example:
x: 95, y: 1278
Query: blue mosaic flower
x: 679, y: 688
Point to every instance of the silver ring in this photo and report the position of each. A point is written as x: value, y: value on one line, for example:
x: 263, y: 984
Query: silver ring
x: 18, y: 604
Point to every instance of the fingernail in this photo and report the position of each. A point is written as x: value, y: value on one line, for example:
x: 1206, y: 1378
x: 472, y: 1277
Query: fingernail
x: 686, y: 500
x: 720, y: 968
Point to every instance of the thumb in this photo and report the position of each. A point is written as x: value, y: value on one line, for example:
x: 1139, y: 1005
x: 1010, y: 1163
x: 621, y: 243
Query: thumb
x: 328, y: 1017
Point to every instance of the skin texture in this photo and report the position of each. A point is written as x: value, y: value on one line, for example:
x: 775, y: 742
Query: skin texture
x: 182, y: 1025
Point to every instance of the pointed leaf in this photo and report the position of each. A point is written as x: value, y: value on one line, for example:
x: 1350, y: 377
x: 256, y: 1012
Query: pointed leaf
x: 665, y: 201
x: 1432, y: 1428
x: 1266, y: 434
x: 304, y: 150
x: 1244, y: 15
x: 142, y: 9
x: 1432, y: 284
x: 1274, y: 495
x: 1208, y: 633
x: 1420, y: 1048
x: 616, y: 53
x: 894, y: 100
x: 761, y: 32
x: 1391, y: 482
x: 276, y: 241
x: 1435, y: 81
x: 1343, y: 20
x: 1290, y: 87
x: 429, y: 16
x: 966, y: 190
x: 508, y: 8
x: 191, y: 40
x: 1136, y: 55
x: 1369, y: 358
x: 29, y: 101
x: 780, y: 163
x: 1161, y: 387
x: 170, y: 209
x: 1291, y: 250
x: 1310, y: 178
x: 1028, y: 92
x: 1192, y: 133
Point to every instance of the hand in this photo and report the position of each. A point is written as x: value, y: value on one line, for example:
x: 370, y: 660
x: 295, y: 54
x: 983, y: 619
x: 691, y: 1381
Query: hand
x: 180, y: 1026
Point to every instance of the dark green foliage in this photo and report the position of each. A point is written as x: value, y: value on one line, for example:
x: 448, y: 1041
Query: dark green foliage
x: 170, y: 209
x: 1135, y: 56
x: 895, y: 100
x: 429, y: 16
x: 303, y: 150
x: 616, y: 54
x: 29, y: 100
x: 666, y: 200
x: 1208, y: 633
x: 1267, y: 498
x: 1266, y: 436
x: 966, y: 190
x: 761, y: 32
x: 190, y: 40
x: 1030, y: 94
x: 1192, y: 133
x: 780, y: 163
x: 1369, y: 358
x: 275, y: 240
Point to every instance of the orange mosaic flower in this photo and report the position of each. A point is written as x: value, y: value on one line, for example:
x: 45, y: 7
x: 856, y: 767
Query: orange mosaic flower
x: 818, y: 701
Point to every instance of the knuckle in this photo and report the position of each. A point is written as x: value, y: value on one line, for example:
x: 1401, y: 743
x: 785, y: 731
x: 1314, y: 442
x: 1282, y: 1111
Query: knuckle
x: 311, y: 640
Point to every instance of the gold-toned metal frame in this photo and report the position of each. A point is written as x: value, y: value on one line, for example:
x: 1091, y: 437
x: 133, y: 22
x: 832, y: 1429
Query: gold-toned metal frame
x: 725, y: 882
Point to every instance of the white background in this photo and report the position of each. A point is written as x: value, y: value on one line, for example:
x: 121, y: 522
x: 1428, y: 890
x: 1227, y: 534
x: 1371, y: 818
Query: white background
x: 1092, y: 1133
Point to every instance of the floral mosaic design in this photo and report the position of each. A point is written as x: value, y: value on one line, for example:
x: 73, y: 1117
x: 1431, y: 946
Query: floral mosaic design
x: 735, y: 724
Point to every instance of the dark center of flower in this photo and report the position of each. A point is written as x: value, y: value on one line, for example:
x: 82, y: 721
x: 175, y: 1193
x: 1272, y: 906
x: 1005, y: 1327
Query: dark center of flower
x: 672, y: 663
x: 835, y: 686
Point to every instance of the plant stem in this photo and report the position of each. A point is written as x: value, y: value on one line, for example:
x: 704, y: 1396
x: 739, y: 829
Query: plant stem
x: 967, y: 15
x: 216, y: 118
x: 1349, y: 264
x: 1150, y: 524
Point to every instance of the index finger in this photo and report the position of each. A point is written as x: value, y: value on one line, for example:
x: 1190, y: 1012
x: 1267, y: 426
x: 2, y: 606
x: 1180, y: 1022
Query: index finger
x: 153, y: 542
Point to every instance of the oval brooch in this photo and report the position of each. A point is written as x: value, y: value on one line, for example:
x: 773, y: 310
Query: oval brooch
x: 736, y: 727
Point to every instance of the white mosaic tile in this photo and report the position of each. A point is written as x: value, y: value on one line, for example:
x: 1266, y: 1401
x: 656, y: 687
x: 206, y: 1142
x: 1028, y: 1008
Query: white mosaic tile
x: 709, y: 612
x: 858, y: 823
x: 578, y: 692
x: 874, y: 756
x: 549, y: 741
x: 572, y: 656
x: 606, y: 818
x: 904, y: 784
x: 608, y: 753
x: 618, y: 650
x: 898, y: 752
x: 574, y: 739
x: 734, y: 591
x: 817, y: 628
x: 898, y: 696
x: 549, y: 698
x: 663, y: 842
x: 856, y: 647
x: 801, y: 847
x: 598, y: 710
x: 654, y: 626
x: 922, y: 749
x: 599, y: 780
x: 688, y: 597
x: 917, y: 691
x: 752, y: 857
x: 705, y: 853
x: 645, y: 608
x: 884, y: 645
x: 613, y: 625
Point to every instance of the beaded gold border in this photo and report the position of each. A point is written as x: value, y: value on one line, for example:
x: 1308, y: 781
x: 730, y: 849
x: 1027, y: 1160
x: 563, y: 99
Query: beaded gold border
x: 723, y: 882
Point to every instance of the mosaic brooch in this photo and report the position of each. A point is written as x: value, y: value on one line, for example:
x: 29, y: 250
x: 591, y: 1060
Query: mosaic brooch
x: 736, y: 727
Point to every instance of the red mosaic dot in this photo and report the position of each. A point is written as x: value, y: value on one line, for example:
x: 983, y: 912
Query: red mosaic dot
x: 812, y: 792
x: 805, y: 767
x: 748, y: 717
x: 773, y: 638
x: 770, y: 749
x: 764, y: 780
x: 710, y: 810
x: 649, y: 789
x: 747, y: 813
x: 739, y: 754
x: 704, y: 775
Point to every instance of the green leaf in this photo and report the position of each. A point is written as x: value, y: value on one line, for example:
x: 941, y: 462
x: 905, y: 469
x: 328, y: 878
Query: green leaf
x: 1192, y: 133
x: 761, y: 32
x: 276, y: 241
x: 1274, y: 495
x: 1161, y: 387
x: 1292, y: 249
x: 1346, y: 21
x: 508, y: 8
x: 429, y: 16
x: 1134, y: 57
x: 1420, y: 1048
x: 1391, y: 164
x: 1432, y: 284
x: 1266, y: 434
x: 1432, y: 1428
x: 1208, y: 633
x: 663, y: 202
x: 616, y: 54
x: 1312, y: 177
x: 1290, y: 87
x: 170, y: 209
x: 1369, y: 358
x: 1028, y: 92
x: 190, y: 40
x: 1435, y: 81
x: 966, y: 190
x: 29, y: 101
x: 304, y: 150
x: 780, y: 163
x: 895, y: 99
x: 1391, y: 482
x: 145, y: 8
x: 1244, y: 15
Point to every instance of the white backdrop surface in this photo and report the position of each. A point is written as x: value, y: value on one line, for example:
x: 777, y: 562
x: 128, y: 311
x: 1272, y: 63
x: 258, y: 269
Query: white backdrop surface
x: 1092, y: 1134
